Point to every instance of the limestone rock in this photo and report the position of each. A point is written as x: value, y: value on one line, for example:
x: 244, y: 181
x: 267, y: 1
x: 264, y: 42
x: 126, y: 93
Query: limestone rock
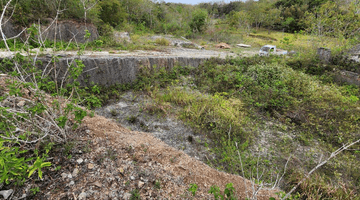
x: 121, y: 36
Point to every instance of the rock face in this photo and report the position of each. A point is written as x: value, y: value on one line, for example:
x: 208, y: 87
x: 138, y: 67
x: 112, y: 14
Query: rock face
x: 10, y: 30
x: 348, y: 77
x: 64, y: 30
x: 70, y: 31
x: 112, y: 70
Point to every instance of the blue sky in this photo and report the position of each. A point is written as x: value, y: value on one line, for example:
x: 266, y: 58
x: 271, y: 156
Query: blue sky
x: 193, y: 1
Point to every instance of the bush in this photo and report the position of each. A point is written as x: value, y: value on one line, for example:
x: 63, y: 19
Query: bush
x: 162, y: 42
x: 198, y: 21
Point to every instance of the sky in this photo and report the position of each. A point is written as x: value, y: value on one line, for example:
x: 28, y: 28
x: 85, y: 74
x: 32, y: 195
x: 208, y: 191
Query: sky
x: 194, y: 1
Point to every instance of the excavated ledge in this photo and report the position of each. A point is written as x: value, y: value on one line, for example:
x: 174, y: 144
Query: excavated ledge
x: 108, y: 69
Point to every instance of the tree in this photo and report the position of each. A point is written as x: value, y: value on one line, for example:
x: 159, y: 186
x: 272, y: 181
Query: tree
x: 240, y: 20
x: 336, y: 19
x: 198, y: 21
x: 273, y: 17
x: 112, y: 12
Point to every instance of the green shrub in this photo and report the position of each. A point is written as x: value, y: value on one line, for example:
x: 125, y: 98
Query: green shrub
x: 162, y: 42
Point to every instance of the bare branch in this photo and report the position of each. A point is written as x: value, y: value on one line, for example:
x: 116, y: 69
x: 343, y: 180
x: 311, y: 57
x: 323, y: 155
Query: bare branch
x: 333, y: 154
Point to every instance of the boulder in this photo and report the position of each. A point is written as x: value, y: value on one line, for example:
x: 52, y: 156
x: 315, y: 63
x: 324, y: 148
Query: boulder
x: 324, y: 54
x: 121, y: 36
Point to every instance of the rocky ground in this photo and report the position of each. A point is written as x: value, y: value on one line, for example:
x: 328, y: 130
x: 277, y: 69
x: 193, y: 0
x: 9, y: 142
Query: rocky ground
x: 105, y: 160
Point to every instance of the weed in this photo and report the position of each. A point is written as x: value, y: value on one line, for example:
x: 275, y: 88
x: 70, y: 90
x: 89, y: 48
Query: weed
x: 111, y: 153
x: 127, y: 183
x: 132, y: 119
x: 114, y: 112
x: 157, y: 185
x: 135, y: 195
x: 193, y: 188
x: 68, y: 147
x: 229, y: 192
x: 35, y: 190
x: 86, y: 148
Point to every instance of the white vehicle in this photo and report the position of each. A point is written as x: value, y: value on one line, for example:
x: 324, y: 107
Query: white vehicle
x: 271, y: 49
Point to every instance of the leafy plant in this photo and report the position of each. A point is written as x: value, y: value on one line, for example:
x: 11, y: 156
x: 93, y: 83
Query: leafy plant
x: 229, y: 192
x: 157, y: 185
x: 35, y: 190
x: 193, y: 188
x: 135, y: 195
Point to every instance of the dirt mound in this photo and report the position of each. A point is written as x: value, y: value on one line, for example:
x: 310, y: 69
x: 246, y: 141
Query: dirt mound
x: 182, y: 169
x: 223, y: 46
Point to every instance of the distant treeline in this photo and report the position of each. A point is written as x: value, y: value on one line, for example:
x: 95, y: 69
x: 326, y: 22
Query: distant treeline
x: 322, y: 17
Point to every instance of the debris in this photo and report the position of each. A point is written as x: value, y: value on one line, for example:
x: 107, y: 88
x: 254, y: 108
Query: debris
x: 64, y: 175
x: 79, y: 161
x: 97, y: 184
x: 6, y: 193
x: 243, y: 45
x: 21, y: 104
x: 75, y: 172
x: 90, y: 166
x: 127, y: 196
x: 223, y: 46
x: 140, y: 184
x: 82, y: 196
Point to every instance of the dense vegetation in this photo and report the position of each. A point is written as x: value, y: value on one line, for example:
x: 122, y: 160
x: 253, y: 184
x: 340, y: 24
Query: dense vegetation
x: 325, y: 17
x: 234, y: 102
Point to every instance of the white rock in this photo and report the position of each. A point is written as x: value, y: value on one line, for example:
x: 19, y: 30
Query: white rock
x: 71, y: 183
x: 70, y: 176
x: 127, y: 196
x: 140, y: 184
x: 79, y: 161
x: 82, y: 196
x: 75, y: 172
x: 64, y: 175
x: 6, y: 193
x: 21, y: 104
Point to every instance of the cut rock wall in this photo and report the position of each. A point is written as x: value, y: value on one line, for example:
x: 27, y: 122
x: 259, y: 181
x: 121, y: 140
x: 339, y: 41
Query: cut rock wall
x: 107, y: 71
x: 66, y: 30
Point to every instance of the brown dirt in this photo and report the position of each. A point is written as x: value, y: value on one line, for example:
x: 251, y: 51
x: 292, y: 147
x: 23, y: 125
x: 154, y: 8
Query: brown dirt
x: 172, y: 160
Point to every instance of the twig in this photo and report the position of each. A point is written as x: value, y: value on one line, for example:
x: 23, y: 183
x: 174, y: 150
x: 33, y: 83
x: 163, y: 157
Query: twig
x: 242, y: 169
x: 333, y: 154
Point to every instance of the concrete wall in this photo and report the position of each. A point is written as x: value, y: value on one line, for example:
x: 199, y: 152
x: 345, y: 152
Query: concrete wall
x: 108, y: 71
